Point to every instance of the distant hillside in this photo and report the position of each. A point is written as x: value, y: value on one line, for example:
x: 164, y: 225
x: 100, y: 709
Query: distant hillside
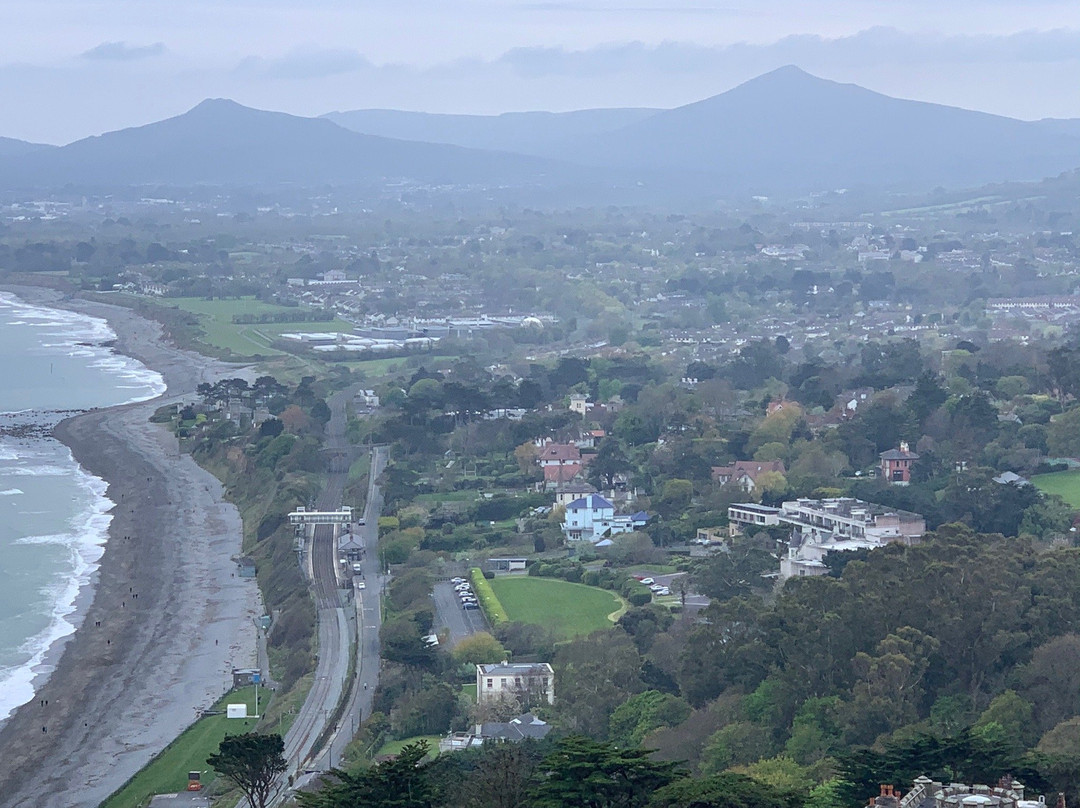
x: 536, y: 133
x: 9, y: 147
x: 220, y: 142
x: 789, y: 130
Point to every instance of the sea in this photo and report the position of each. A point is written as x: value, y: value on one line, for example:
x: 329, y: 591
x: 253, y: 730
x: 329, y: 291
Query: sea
x: 54, y: 516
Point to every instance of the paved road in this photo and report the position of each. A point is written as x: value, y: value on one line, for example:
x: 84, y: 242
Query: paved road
x: 450, y: 616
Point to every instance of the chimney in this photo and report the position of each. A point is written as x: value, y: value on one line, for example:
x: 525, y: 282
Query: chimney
x: 1061, y: 799
x: 889, y: 798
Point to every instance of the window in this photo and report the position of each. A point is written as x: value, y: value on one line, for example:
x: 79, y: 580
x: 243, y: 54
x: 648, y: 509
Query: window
x: 491, y: 683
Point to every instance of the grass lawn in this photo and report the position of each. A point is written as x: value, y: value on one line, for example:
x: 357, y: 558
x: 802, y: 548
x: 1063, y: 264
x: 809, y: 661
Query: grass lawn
x: 569, y: 610
x: 215, y: 317
x: 1066, y: 484
x: 395, y: 747
x: 168, y: 772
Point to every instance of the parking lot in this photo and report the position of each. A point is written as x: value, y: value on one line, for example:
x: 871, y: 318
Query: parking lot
x: 450, y: 615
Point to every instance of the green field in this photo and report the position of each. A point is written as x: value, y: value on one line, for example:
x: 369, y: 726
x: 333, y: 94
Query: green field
x: 1066, y: 484
x: 570, y: 610
x: 168, y: 772
x: 395, y: 747
x: 215, y: 318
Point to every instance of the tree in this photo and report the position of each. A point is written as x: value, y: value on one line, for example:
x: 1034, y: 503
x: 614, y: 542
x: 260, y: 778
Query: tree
x: 501, y: 777
x: 1063, y: 434
x: 593, y: 774
x: 253, y: 762
x: 727, y: 790
x: 399, y: 783
x: 675, y: 498
x: 479, y: 648
x: 609, y: 462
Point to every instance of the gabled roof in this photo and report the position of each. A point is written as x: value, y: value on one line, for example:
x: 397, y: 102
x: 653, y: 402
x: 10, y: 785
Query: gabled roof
x: 563, y: 452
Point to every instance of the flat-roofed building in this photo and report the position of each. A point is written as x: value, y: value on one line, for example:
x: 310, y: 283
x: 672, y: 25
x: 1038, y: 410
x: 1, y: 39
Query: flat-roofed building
x: 822, y: 526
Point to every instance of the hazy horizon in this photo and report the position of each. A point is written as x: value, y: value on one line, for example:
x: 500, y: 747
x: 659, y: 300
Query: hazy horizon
x: 71, y: 70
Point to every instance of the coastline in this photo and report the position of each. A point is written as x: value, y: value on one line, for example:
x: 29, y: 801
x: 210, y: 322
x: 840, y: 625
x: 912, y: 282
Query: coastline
x: 164, y: 618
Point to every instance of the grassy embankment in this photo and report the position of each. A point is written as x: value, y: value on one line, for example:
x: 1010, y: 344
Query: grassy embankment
x: 168, y: 772
x: 1066, y: 484
x: 568, y: 609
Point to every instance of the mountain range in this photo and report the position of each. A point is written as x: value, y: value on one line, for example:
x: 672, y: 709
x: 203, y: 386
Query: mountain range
x: 785, y: 131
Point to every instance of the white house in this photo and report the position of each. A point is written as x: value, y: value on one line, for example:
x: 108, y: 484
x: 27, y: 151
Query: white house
x: 592, y: 517
x: 529, y: 683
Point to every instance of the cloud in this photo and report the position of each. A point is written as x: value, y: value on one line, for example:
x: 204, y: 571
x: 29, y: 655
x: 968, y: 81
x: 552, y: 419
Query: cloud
x: 123, y: 52
x: 870, y: 46
x: 304, y: 64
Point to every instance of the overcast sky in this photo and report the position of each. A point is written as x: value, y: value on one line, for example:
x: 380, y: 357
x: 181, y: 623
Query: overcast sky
x: 72, y: 68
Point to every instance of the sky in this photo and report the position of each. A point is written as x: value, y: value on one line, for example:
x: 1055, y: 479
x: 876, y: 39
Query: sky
x: 75, y: 68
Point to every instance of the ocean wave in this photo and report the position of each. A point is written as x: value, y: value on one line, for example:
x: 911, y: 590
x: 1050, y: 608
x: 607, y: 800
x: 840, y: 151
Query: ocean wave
x: 38, y: 471
x: 10, y: 492
x: 86, y: 540
x: 81, y: 336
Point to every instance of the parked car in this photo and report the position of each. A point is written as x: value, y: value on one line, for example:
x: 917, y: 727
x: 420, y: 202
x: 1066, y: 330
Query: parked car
x: 357, y: 568
x: 472, y: 606
x: 648, y: 581
x: 656, y: 587
x: 457, y: 580
x: 664, y: 591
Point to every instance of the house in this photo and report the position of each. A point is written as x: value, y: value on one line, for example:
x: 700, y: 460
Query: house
x: 560, y: 462
x: 747, y: 514
x: 926, y: 793
x: 580, y: 404
x: 367, y: 399
x: 896, y: 464
x: 527, y: 682
x: 565, y: 494
x: 821, y: 526
x: 745, y: 473
x: 559, y: 454
x: 592, y: 517
x: 515, y: 730
x: 711, y: 535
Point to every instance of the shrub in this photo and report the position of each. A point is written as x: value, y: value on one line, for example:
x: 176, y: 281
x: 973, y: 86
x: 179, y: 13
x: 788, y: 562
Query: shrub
x: 489, y: 602
x: 639, y: 598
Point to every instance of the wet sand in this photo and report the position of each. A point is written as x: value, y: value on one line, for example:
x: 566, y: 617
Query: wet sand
x: 168, y: 619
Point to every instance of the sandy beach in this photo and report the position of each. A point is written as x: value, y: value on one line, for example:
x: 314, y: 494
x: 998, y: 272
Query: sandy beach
x: 168, y: 619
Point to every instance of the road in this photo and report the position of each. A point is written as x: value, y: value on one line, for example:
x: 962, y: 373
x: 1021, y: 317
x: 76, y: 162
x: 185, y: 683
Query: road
x: 324, y: 725
x: 450, y: 616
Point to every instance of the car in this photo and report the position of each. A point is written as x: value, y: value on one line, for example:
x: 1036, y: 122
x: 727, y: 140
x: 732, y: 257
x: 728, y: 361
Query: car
x: 361, y: 585
x: 464, y: 591
x: 357, y: 568
x: 656, y: 587
x: 664, y: 591
x: 459, y: 587
x: 648, y: 581
x: 457, y: 580
x: 472, y: 607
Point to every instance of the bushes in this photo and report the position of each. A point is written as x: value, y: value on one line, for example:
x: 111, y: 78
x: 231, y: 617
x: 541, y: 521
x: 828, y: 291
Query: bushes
x: 494, y: 610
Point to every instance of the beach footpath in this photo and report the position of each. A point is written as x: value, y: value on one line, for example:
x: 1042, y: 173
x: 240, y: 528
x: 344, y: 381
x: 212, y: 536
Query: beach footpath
x: 167, y: 618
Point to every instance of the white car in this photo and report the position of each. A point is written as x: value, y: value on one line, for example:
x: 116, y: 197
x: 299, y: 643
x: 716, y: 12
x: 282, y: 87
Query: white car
x: 361, y: 585
x: 663, y: 591
x: 648, y: 581
x: 656, y: 587
x: 457, y: 580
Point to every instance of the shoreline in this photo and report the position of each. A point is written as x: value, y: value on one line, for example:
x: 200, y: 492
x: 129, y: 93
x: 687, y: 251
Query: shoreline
x: 163, y: 619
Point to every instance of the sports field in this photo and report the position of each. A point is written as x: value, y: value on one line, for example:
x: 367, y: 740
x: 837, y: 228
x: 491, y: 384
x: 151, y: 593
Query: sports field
x: 1066, y: 484
x: 215, y: 318
x: 570, y: 610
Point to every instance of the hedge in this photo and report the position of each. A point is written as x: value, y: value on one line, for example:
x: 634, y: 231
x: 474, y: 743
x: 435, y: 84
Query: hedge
x: 489, y: 601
